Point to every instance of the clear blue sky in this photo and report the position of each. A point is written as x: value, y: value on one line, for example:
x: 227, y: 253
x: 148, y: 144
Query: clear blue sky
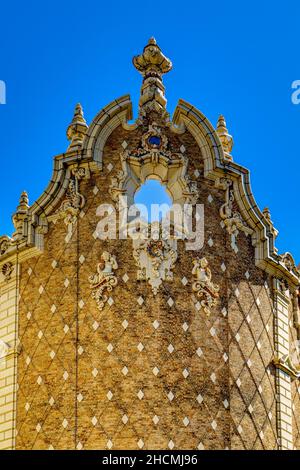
x: 229, y: 57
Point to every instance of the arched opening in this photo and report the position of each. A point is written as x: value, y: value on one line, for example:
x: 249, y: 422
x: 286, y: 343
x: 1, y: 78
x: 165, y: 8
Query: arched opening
x: 153, y: 196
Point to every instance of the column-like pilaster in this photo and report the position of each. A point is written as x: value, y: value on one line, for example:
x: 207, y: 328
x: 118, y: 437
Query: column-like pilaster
x: 283, y: 372
x: 8, y: 352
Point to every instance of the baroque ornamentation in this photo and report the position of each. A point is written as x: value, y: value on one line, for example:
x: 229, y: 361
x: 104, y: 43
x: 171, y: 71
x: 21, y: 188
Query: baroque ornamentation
x: 152, y: 64
x: 206, y: 291
x: 7, y: 270
x: 232, y: 218
x: 4, y: 245
x: 289, y: 263
x: 154, y: 146
x: 116, y: 187
x: 74, y: 201
x: 155, y: 259
x: 286, y: 365
x: 190, y: 191
x: 104, y: 280
x: 153, y: 153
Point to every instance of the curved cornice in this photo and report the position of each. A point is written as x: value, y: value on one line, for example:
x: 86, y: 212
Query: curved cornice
x: 116, y: 113
x: 216, y: 166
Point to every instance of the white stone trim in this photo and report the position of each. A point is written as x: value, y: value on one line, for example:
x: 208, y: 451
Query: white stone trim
x: 8, y: 361
x: 282, y: 377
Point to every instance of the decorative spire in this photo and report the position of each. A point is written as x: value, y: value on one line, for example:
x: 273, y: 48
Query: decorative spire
x: 267, y: 214
x: 225, y: 138
x: 20, y: 215
x: 152, y: 64
x: 77, y: 129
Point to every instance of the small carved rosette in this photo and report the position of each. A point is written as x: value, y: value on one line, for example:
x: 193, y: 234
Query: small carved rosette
x: 206, y: 291
x: 104, y: 280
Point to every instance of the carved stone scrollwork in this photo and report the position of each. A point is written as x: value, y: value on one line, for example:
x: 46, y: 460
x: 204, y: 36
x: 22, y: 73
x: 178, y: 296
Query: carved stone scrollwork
x: 152, y: 64
x: 4, y: 245
x: 232, y: 219
x: 73, y: 202
x: 104, y: 280
x: 154, y: 157
x: 288, y: 261
x: 154, y: 146
x: 7, y: 270
x: 206, y: 291
x: 155, y: 259
x: 190, y: 191
x: 286, y: 365
x: 117, y: 185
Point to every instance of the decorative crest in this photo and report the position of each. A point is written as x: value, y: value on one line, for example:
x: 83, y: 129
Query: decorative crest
x: 152, y: 64
x: 152, y: 61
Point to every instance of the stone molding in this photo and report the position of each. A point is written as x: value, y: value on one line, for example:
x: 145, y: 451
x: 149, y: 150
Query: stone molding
x: 216, y: 166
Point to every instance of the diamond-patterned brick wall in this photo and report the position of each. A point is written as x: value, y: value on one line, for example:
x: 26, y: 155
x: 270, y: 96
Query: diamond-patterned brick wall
x: 295, y: 387
x: 146, y: 372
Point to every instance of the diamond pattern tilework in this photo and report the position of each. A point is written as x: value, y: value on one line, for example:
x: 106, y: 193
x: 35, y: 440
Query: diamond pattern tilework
x: 251, y: 351
x: 295, y: 385
x: 96, y: 374
x: 49, y: 387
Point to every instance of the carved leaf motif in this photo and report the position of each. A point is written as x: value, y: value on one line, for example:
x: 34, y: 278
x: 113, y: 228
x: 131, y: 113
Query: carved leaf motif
x: 104, y: 280
x: 206, y: 291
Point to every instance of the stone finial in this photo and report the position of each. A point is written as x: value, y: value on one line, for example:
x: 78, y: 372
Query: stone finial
x: 152, y: 64
x: 152, y: 61
x: 267, y: 214
x: 23, y: 203
x: 20, y: 215
x: 77, y: 129
x: 225, y: 138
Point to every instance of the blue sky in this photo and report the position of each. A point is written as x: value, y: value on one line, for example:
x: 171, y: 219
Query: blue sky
x: 231, y: 57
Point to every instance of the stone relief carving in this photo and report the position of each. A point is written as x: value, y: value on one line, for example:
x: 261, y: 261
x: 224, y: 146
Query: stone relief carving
x: 104, y: 280
x: 4, y: 245
x: 154, y: 146
x: 7, y: 270
x: 152, y: 64
x: 190, y: 191
x: 155, y: 259
x: 231, y: 218
x: 4, y: 349
x: 74, y: 201
x: 289, y: 263
x: 117, y: 185
x: 285, y: 363
x: 154, y: 154
x: 206, y: 291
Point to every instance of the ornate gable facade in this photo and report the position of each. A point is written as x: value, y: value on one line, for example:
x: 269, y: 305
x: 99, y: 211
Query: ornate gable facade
x: 142, y: 343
